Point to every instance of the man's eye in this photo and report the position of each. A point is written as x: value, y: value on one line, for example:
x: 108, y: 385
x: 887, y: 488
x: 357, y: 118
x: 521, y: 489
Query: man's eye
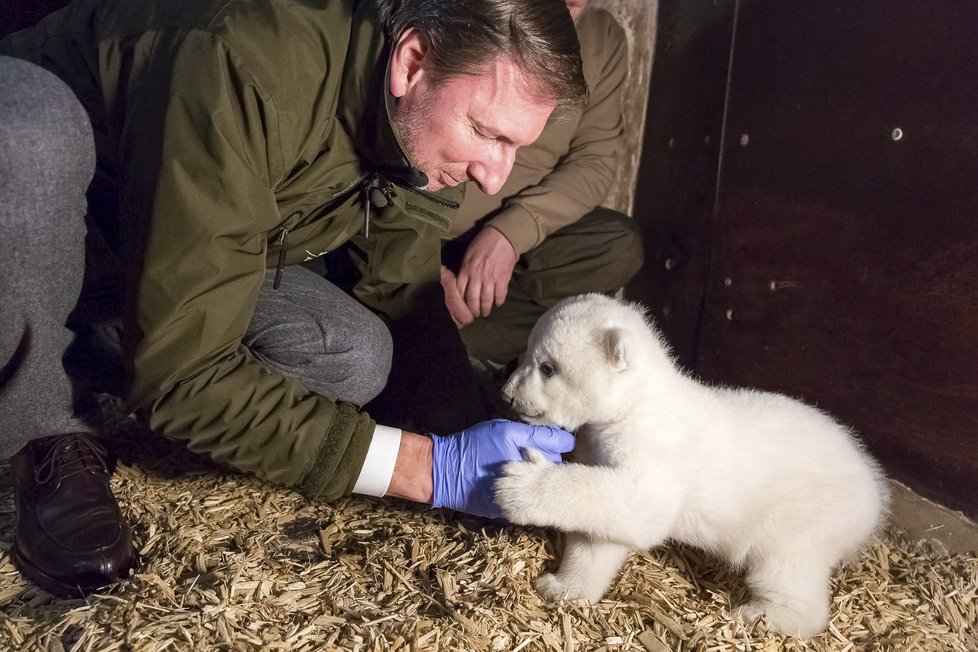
x: 547, y: 370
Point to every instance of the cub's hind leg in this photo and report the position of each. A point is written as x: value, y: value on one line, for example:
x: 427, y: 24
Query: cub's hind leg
x: 586, y: 570
x: 792, y: 592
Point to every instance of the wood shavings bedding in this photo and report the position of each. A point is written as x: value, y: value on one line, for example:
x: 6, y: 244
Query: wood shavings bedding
x: 231, y: 563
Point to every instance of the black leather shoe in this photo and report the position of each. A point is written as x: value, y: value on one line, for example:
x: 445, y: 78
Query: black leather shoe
x: 71, y: 536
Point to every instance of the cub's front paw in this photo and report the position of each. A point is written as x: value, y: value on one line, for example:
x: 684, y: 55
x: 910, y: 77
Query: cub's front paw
x: 551, y: 588
x: 521, y: 490
x: 555, y: 588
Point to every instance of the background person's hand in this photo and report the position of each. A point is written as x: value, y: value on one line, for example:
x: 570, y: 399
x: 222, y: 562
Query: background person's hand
x: 460, y: 313
x: 465, y: 465
x: 486, y: 270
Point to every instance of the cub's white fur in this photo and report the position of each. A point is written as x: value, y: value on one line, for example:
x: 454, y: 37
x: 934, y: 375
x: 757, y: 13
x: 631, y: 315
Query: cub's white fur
x: 765, y: 481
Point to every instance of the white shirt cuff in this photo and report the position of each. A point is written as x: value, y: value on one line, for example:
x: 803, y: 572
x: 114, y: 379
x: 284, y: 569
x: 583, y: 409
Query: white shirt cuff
x: 378, y: 466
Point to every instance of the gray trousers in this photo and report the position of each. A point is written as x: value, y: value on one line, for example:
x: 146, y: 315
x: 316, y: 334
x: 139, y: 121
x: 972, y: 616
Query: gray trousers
x: 47, y: 158
x: 307, y: 329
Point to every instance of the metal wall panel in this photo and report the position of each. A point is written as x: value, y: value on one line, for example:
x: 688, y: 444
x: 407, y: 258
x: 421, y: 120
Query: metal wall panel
x: 674, y: 198
x: 842, y: 256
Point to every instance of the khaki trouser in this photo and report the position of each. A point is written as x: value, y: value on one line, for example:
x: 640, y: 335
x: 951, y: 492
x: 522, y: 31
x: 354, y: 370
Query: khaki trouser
x: 599, y: 253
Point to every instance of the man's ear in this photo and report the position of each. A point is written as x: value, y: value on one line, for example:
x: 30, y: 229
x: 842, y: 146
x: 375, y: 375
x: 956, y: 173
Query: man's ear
x: 408, y: 61
x: 614, y: 345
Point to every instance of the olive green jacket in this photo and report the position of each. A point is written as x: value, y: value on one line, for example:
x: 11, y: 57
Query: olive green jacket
x: 239, y: 135
x: 568, y: 171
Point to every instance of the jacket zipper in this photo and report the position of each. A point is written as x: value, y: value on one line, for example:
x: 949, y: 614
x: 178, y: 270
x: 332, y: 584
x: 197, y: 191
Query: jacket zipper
x: 430, y: 196
x: 281, y: 257
x: 283, y: 236
x: 290, y: 222
x: 376, y: 190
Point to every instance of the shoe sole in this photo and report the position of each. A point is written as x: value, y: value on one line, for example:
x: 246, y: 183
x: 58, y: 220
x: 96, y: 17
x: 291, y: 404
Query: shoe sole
x: 55, y: 586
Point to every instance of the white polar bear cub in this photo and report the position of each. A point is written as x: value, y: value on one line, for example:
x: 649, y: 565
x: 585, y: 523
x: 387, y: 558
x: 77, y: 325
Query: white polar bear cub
x: 765, y: 481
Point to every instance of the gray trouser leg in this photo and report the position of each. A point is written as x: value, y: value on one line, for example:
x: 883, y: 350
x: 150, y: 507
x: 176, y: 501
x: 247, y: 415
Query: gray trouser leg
x: 47, y: 158
x: 310, y: 330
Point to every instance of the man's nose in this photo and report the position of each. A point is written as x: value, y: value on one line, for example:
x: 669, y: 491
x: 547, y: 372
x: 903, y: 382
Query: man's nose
x: 491, y: 174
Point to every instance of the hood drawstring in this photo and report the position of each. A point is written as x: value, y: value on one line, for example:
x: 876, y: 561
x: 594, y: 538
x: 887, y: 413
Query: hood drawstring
x: 378, y: 192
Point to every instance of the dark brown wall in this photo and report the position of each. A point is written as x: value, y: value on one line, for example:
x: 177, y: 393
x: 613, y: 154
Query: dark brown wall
x: 18, y: 14
x: 674, y: 197
x: 840, y: 263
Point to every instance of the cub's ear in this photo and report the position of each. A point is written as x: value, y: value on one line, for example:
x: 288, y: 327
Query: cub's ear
x: 614, y: 345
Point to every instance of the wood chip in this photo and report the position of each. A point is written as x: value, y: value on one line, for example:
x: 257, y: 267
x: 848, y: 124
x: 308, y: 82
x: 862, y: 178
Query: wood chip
x: 232, y: 563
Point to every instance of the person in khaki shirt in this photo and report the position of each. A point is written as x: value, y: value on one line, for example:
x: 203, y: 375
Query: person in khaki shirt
x: 543, y: 237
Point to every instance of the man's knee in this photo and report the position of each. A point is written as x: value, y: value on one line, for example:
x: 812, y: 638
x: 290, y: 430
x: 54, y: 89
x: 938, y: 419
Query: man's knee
x: 344, y: 357
x: 615, y: 244
x: 600, y: 252
x: 46, y: 144
x: 369, y: 360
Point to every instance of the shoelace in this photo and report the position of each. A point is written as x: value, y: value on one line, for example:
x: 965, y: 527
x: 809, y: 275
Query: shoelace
x: 70, y: 454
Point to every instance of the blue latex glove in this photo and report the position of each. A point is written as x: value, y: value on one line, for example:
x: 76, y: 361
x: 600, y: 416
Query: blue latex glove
x: 465, y: 465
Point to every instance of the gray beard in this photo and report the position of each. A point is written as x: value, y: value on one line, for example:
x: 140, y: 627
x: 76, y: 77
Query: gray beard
x: 409, y: 123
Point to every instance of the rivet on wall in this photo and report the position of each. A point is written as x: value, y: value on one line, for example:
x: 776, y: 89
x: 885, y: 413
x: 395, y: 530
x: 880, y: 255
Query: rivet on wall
x: 729, y: 314
x: 896, y: 134
x: 744, y: 139
x: 672, y: 143
x: 728, y: 281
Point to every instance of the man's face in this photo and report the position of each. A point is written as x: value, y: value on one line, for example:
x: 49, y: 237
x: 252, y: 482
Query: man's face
x: 468, y: 128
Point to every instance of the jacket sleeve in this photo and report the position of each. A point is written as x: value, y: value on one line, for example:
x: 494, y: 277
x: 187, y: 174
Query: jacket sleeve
x: 582, y: 178
x: 200, y: 156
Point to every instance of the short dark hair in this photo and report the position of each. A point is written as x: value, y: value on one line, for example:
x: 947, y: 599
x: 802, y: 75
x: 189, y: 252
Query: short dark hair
x: 465, y: 35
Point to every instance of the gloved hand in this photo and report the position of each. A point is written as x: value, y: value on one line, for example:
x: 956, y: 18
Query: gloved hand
x: 465, y: 465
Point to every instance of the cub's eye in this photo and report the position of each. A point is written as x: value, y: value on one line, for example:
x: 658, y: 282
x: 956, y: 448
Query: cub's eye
x: 547, y: 369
